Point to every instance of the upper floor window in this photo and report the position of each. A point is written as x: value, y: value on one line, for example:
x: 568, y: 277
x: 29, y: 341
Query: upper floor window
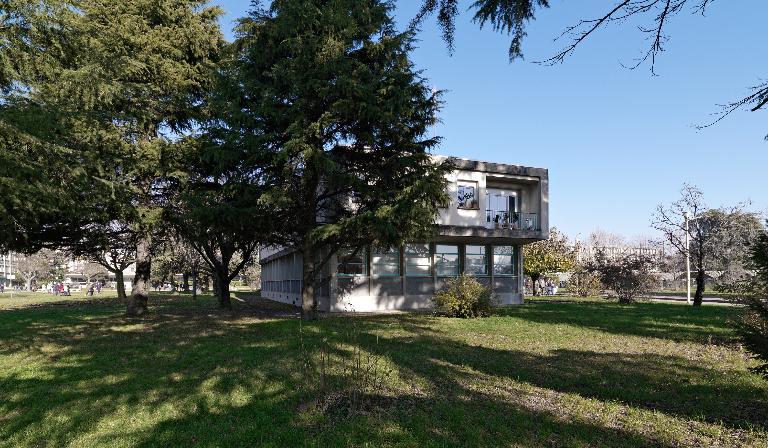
x: 386, y: 262
x: 467, y: 195
x: 352, y: 263
x: 417, y: 260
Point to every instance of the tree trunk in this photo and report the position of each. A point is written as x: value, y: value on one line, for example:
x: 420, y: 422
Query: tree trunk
x: 194, y: 285
x: 221, y: 280
x: 120, y: 285
x: 28, y: 285
x: 215, y: 282
x: 185, y: 281
x: 535, y: 284
x: 137, y: 302
x: 698, y: 298
x: 308, y: 301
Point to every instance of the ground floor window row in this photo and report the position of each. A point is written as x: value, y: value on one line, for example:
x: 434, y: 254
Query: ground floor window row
x: 426, y: 260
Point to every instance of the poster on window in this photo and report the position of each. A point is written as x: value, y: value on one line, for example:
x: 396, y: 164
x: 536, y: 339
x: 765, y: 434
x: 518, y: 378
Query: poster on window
x: 467, y: 196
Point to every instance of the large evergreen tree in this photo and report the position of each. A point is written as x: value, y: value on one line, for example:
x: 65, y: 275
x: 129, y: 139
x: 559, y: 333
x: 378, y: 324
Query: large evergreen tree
x: 116, y: 82
x: 325, y: 99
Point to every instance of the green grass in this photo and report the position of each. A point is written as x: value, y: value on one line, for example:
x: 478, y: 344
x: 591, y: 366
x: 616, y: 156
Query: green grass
x: 592, y: 373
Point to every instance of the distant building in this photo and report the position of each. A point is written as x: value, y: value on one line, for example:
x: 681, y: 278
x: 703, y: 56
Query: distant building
x: 495, y: 209
x: 7, y: 268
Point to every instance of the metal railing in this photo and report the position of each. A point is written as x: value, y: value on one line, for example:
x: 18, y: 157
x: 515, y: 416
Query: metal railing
x: 502, y: 219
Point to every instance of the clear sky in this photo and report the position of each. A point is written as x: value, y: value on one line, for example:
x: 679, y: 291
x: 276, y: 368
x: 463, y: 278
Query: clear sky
x: 617, y: 142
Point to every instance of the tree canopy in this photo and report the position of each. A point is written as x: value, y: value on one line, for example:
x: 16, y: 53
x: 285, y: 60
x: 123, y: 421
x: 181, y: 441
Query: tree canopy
x: 110, y: 86
x: 326, y: 101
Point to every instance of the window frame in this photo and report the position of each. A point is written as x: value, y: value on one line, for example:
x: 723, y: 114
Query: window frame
x: 511, y: 257
x: 484, y: 254
x: 363, y: 252
x: 475, y: 203
x: 437, y: 252
x: 407, y: 256
x: 391, y: 251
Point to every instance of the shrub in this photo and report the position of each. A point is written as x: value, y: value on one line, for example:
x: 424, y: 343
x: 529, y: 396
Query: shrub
x: 585, y: 284
x: 629, y: 276
x: 464, y: 297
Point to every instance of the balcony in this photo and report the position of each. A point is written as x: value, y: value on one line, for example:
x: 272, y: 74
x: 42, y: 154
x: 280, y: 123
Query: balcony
x: 503, y: 219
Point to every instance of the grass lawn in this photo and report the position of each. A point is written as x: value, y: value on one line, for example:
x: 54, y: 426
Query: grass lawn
x: 78, y: 373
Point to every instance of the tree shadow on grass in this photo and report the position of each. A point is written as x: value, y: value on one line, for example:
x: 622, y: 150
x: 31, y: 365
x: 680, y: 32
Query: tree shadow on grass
x: 178, y: 378
x: 670, y: 384
x: 658, y: 320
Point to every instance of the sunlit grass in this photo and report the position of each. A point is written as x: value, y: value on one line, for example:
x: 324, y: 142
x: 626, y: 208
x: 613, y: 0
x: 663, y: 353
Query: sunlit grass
x: 589, y: 373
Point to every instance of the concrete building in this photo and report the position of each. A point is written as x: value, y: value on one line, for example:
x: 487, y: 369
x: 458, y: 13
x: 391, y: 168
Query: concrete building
x: 495, y: 209
x: 7, y: 269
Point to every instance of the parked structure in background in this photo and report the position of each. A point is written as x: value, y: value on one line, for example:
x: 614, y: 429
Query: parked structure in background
x: 495, y: 209
x: 587, y: 253
x: 7, y: 269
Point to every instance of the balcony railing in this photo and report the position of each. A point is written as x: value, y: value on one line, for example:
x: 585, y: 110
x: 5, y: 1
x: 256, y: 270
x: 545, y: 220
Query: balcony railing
x: 502, y: 219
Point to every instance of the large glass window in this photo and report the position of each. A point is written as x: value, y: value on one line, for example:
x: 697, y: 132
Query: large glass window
x: 386, y: 262
x: 467, y: 194
x: 352, y: 262
x: 446, y: 260
x: 417, y: 260
x: 503, y: 260
x: 475, y: 261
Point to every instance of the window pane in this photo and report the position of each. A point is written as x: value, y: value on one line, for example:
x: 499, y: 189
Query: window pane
x: 417, y: 260
x: 446, y: 260
x: 386, y: 262
x: 503, y: 260
x: 475, y: 262
x: 351, y: 263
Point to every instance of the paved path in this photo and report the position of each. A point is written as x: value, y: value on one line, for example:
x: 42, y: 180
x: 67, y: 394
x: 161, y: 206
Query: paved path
x: 706, y: 301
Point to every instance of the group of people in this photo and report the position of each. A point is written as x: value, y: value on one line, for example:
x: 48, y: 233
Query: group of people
x: 59, y: 289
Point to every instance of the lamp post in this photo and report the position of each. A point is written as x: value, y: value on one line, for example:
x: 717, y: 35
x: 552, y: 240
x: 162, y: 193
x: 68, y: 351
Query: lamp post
x: 686, y: 215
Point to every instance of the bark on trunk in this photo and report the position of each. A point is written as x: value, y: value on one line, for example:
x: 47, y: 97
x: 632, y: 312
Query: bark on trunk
x: 215, y: 282
x: 185, y: 281
x: 194, y: 285
x: 120, y: 285
x: 698, y: 298
x: 308, y: 301
x: 137, y: 302
x: 535, y: 284
x: 221, y: 280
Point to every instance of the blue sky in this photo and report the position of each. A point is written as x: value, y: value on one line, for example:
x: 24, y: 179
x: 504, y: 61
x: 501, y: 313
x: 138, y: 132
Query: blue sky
x: 617, y: 142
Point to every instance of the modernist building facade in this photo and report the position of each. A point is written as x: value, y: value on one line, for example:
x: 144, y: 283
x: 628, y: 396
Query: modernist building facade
x: 495, y: 209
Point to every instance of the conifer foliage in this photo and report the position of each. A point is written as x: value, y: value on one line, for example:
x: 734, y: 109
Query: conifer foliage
x: 116, y: 82
x: 324, y: 97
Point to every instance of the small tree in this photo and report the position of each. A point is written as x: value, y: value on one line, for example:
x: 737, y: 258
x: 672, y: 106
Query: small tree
x: 718, y: 237
x: 548, y: 257
x: 585, y: 283
x: 39, y: 266
x: 628, y: 276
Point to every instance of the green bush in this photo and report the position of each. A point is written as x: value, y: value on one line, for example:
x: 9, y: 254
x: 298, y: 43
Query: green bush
x: 585, y: 284
x: 464, y: 297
